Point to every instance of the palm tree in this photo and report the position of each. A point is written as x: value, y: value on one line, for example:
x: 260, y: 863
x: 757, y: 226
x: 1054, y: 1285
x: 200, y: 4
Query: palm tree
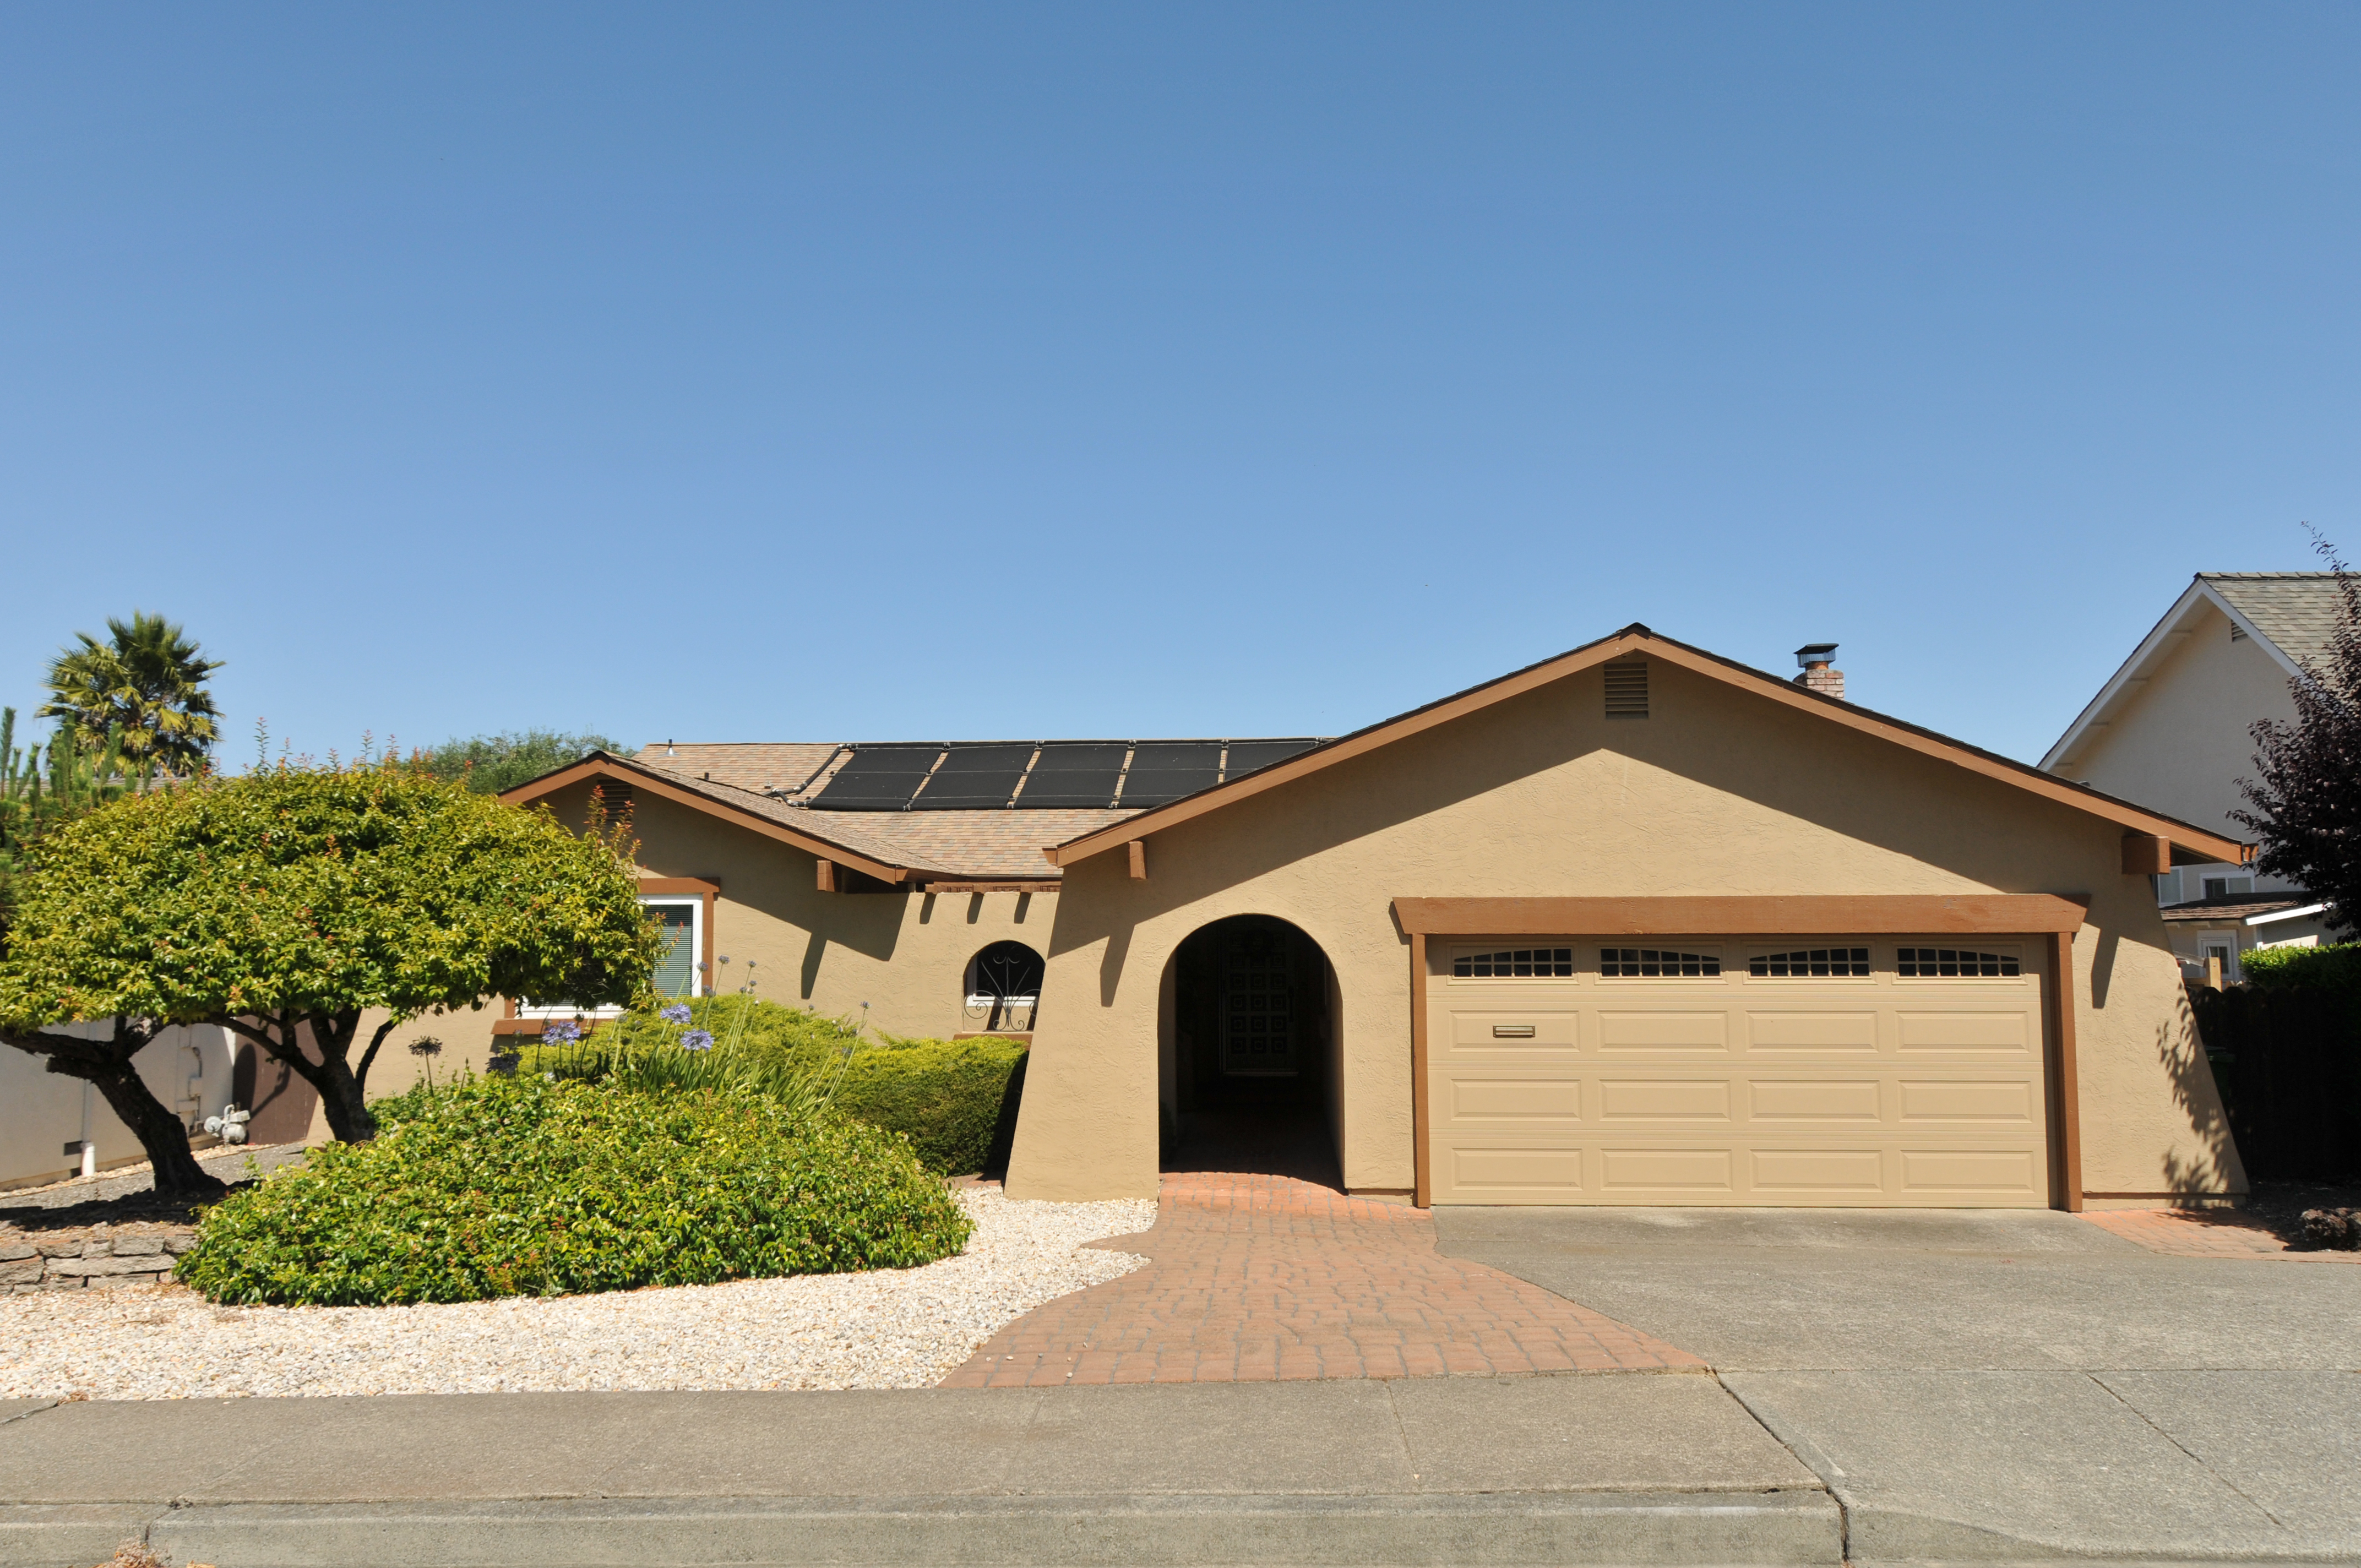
x: 148, y: 683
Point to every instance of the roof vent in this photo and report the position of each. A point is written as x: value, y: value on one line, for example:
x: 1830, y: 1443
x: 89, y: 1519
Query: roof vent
x: 1627, y: 689
x: 1817, y: 660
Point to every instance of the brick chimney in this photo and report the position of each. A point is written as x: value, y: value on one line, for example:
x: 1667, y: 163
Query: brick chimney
x: 1820, y: 673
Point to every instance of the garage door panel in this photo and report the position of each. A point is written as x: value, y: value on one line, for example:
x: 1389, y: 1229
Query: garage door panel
x: 1629, y: 1175
x: 1516, y: 1173
x: 1513, y: 1030
x: 1664, y: 1098
x: 1962, y: 1173
x: 1688, y: 1030
x: 1483, y: 1101
x: 1818, y: 1172
x: 1771, y: 1088
x: 1964, y: 1031
x: 1816, y: 1032
x: 1819, y: 1100
x: 1996, y: 1101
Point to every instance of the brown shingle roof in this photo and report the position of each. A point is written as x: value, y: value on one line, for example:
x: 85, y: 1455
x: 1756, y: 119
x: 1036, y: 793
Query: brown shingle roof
x: 966, y: 846
x: 2238, y: 906
x: 2297, y: 610
x: 761, y: 765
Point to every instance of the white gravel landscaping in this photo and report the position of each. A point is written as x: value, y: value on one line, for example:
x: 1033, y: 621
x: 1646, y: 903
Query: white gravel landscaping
x: 891, y: 1329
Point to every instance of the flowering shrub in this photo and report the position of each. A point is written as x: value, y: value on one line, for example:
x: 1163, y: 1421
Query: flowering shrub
x: 695, y: 1040
x: 509, y: 1187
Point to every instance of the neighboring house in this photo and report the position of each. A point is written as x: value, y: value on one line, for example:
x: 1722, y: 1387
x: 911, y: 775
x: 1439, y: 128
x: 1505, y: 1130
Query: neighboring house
x: 2172, y: 729
x: 47, y: 1117
x: 1637, y: 924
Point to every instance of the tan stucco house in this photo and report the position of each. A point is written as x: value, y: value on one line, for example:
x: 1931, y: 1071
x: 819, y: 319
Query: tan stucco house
x: 2173, y: 727
x: 1636, y: 925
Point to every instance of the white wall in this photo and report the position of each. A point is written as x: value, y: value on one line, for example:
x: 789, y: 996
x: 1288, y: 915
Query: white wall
x: 188, y: 1068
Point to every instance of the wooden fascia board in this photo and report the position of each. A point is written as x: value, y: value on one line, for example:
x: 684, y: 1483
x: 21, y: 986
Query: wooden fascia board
x: 1340, y: 750
x: 655, y: 785
x: 1833, y: 915
x: 2199, y: 842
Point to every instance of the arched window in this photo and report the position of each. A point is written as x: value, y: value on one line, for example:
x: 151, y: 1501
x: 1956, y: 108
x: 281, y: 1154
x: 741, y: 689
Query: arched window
x: 1004, y: 986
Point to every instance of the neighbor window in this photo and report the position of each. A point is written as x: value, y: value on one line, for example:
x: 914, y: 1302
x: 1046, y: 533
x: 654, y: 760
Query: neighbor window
x: 1808, y: 962
x: 1927, y: 963
x: 1654, y: 963
x: 1515, y: 962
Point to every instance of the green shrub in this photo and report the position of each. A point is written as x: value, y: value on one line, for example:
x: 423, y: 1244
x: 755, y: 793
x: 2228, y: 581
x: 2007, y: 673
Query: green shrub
x: 945, y: 1095
x: 503, y: 1187
x: 2335, y: 968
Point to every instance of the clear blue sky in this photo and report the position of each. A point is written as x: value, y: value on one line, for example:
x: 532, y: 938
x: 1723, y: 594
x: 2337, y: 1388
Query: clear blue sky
x: 868, y: 372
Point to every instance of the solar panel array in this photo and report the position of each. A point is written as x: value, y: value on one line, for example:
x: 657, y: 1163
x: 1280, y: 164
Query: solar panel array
x: 987, y: 775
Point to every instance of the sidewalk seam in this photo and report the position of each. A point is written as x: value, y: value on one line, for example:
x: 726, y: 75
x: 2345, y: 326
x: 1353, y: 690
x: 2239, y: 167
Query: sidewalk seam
x: 27, y: 1415
x: 2143, y: 1415
x: 1844, y: 1509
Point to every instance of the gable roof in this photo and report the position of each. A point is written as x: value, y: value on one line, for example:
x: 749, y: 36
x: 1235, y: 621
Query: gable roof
x: 2289, y: 615
x: 2196, y: 842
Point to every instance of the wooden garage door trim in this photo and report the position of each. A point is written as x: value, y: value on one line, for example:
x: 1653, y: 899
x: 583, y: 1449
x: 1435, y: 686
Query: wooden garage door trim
x: 2012, y: 915
x: 1984, y: 914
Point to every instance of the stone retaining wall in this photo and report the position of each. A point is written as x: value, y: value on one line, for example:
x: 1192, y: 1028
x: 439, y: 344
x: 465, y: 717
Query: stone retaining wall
x: 90, y: 1256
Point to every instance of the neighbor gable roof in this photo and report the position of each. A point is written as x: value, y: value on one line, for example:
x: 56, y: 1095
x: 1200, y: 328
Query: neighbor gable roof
x: 2289, y: 615
x: 2195, y: 841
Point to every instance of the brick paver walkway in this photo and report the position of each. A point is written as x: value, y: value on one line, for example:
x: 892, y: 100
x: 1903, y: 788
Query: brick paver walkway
x: 2204, y: 1232
x: 1258, y: 1278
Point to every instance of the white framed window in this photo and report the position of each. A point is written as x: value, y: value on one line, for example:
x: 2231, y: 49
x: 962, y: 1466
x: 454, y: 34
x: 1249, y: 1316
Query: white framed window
x: 679, y: 972
x: 2227, y: 886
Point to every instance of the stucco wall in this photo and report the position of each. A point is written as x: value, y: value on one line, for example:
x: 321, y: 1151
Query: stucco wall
x: 2180, y: 744
x: 905, y: 954
x: 1719, y: 792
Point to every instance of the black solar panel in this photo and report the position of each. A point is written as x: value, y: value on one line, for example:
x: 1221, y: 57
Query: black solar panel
x: 1075, y: 773
x: 1168, y: 770
x: 975, y: 778
x: 1245, y: 756
x: 878, y: 778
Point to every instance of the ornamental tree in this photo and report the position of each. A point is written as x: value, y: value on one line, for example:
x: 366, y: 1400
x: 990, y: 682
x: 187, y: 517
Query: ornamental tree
x: 2307, y: 793
x: 290, y: 902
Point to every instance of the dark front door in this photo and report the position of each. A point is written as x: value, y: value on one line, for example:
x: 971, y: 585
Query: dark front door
x: 1258, y: 1007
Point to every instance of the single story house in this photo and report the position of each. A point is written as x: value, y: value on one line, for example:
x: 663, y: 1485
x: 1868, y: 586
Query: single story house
x: 1636, y: 925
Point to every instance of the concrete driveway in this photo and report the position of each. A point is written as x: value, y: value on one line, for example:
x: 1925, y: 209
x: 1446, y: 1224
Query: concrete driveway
x: 1978, y: 1384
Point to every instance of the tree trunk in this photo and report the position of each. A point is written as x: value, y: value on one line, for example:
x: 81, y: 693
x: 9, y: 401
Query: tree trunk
x: 108, y: 1065
x: 340, y: 1093
x: 159, y: 1132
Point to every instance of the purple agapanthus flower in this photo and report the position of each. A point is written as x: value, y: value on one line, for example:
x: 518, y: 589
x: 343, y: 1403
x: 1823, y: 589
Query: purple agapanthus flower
x: 675, y: 1013
x: 697, y: 1040
x: 560, y: 1032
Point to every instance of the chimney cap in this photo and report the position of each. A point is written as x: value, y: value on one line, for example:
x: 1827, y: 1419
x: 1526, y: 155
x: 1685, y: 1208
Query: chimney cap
x: 1812, y: 654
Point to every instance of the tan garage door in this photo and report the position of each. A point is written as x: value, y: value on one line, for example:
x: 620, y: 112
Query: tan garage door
x: 1868, y: 1072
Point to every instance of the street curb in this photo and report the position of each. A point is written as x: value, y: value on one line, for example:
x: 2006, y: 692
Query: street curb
x: 1767, y: 1530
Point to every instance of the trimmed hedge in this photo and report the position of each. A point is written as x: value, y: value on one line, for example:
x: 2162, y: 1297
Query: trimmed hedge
x: 501, y: 1187
x: 945, y: 1096
x: 2336, y: 968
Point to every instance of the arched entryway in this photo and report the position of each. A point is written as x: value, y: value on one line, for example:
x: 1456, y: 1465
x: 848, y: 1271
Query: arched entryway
x: 1248, y: 1050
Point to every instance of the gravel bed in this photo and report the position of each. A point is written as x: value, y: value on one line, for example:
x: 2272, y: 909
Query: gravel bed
x: 890, y: 1329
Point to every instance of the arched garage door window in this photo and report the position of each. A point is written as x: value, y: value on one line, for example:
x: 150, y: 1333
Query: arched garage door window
x: 1004, y: 986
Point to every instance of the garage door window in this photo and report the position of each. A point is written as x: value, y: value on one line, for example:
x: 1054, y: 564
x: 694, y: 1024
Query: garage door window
x: 1654, y: 963
x: 1949, y: 963
x: 1544, y: 963
x: 1810, y: 962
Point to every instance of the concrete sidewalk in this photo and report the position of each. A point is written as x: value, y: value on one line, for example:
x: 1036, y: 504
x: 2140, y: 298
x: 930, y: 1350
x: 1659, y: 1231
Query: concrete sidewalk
x: 1578, y: 1469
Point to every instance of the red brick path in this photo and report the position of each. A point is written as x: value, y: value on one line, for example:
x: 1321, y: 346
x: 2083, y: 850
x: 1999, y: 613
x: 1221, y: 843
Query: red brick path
x: 1257, y: 1277
x: 2204, y: 1232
